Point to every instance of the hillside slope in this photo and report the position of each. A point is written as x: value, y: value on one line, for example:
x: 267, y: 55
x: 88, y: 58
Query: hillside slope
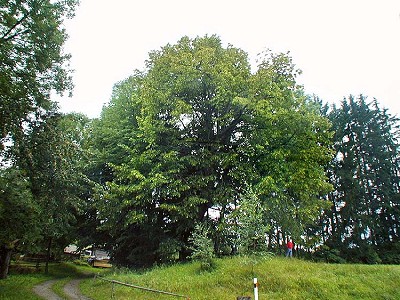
x: 279, y: 278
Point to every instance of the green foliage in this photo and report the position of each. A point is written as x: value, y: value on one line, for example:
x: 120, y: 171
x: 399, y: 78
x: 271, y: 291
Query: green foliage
x: 192, y: 131
x: 326, y: 254
x: 365, y: 174
x: 202, y: 247
x: 390, y: 253
x: 47, y: 199
x: 50, y: 156
x: 248, y: 220
x: 168, y: 250
x: 32, y: 59
x: 19, y: 214
x: 33, y: 65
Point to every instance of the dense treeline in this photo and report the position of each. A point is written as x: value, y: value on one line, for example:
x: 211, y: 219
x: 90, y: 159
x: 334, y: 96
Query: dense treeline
x: 197, y: 151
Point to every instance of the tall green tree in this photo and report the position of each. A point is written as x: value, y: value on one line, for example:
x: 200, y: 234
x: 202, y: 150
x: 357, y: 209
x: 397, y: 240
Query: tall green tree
x: 182, y: 138
x: 365, y: 173
x: 49, y: 154
x: 32, y: 60
x: 288, y: 146
x: 33, y: 65
x: 76, y: 130
x: 203, y: 127
x: 105, y: 145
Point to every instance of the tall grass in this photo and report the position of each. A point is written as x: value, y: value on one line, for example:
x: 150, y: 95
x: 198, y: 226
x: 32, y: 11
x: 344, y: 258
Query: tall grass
x: 279, y: 278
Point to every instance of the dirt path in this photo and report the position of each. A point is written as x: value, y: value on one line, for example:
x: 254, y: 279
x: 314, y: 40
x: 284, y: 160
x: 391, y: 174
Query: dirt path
x: 44, y: 290
x: 71, y: 289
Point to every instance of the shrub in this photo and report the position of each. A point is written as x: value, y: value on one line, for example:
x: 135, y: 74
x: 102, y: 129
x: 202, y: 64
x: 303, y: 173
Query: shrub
x: 329, y: 255
x: 390, y: 253
x: 202, y: 247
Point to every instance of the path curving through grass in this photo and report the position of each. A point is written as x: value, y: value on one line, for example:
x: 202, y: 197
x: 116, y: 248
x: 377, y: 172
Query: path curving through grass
x: 44, y: 290
x: 71, y: 290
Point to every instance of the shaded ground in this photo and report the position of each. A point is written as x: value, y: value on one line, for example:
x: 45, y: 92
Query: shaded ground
x: 71, y: 289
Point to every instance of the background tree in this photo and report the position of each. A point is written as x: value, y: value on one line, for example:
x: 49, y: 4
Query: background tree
x: 49, y: 154
x: 76, y: 132
x: 19, y: 215
x: 32, y: 62
x: 107, y: 140
x: 365, y: 173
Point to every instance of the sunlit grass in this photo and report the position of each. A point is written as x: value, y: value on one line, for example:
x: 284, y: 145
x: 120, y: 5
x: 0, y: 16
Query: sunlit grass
x: 279, y: 278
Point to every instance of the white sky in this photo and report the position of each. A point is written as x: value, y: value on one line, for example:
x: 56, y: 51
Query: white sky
x: 342, y: 46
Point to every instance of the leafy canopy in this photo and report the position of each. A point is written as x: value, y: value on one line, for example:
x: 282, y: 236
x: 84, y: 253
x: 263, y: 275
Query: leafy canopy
x: 32, y: 60
x: 194, y: 130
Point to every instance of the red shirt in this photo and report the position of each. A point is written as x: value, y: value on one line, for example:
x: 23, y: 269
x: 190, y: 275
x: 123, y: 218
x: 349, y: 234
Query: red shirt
x: 289, y: 245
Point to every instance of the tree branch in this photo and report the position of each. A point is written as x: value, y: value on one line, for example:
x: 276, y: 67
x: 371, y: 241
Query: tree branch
x: 4, y: 38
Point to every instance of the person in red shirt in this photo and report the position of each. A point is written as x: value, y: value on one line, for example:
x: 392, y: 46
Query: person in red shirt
x: 289, y: 246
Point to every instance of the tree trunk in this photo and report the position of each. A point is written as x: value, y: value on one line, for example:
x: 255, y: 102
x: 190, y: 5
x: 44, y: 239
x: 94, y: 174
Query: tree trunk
x: 5, y: 257
x: 46, y: 270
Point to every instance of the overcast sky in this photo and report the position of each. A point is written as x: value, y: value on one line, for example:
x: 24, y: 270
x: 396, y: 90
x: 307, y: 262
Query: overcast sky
x: 343, y: 46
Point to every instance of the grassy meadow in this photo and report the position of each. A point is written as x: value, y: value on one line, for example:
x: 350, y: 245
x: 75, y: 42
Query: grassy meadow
x: 19, y: 286
x: 279, y: 278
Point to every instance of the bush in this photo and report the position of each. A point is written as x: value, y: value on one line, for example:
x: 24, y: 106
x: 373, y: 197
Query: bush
x: 80, y: 262
x: 202, y: 247
x: 329, y: 255
x: 168, y: 251
x: 364, y: 253
x: 390, y: 253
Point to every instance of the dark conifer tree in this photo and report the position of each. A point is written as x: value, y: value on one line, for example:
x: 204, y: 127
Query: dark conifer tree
x: 363, y: 218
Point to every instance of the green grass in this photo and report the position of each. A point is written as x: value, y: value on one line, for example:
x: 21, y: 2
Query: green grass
x: 19, y: 286
x: 279, y: 278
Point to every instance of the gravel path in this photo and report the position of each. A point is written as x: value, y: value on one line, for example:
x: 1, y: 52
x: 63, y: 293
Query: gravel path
x: 44, y: 290
x: 71, y: 289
